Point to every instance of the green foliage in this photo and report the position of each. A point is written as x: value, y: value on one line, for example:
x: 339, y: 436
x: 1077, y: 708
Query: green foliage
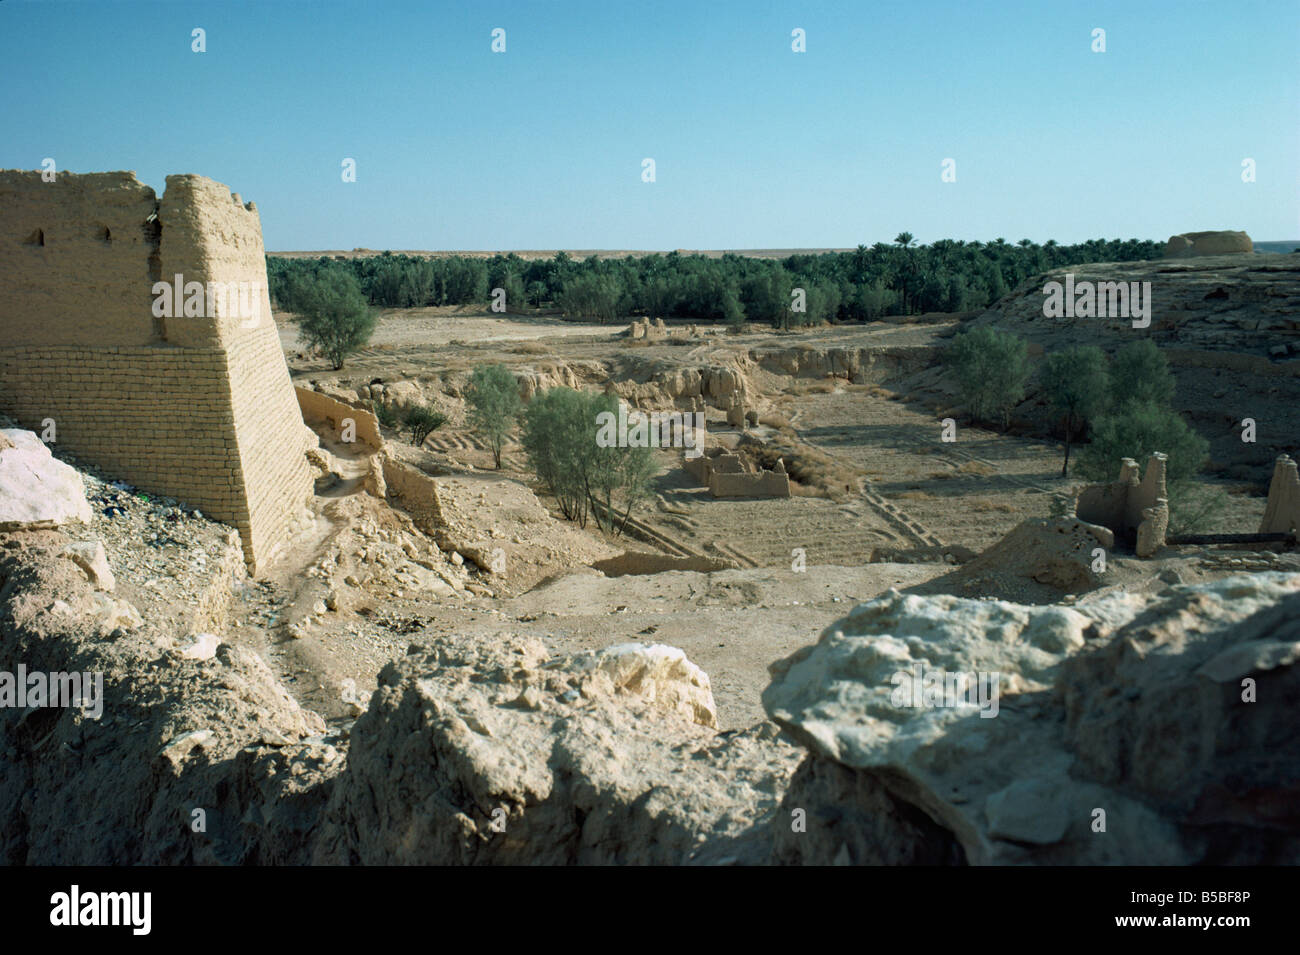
x: 420, y: 421
x: 1141, y: 373
x: 560, y: 427
x: 332, y: 314
x: 1077, y: 386
x: 885, y: 279
x: 1196, y: 508
x: 1133, y: 430
x: 992, y: 368
x: 592, y: 296
x: 494, y: 405
x: 875, y: 300
x: 388, y: 415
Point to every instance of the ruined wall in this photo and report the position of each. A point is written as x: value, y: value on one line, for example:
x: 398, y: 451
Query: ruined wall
x: 200, y: 407
x: 414, y: 492
x: 316, y: 406
x: 1282, y: 512
x: 1132, y: 509
x: 764, y: 484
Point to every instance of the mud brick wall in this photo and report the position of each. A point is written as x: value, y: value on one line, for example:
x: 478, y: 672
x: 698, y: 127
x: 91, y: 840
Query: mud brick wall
x: 201, y: 409
x: 764, y: 484
x: 320, y: 407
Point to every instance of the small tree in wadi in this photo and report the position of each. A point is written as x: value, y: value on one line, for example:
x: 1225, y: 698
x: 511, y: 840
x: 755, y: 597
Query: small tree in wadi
x: 1077, y: 385
x: 560, y: 428
x: 1133, y: 430
x: 992, y: 368
x: 421, y: 421
x: 1141, y: 373
x: 333, y: 314
x: 494, y: 405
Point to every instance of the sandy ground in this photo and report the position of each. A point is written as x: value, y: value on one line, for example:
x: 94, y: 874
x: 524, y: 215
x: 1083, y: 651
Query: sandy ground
x: 403, y: 328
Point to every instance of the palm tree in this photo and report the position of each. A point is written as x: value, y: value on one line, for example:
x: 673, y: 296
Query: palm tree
x: 905, y: 240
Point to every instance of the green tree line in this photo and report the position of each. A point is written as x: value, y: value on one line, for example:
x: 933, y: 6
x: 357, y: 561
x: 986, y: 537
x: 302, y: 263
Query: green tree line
x: 898, y: 278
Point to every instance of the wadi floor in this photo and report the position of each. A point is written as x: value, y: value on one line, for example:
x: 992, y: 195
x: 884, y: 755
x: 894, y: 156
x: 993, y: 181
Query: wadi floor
x: 799, y: 563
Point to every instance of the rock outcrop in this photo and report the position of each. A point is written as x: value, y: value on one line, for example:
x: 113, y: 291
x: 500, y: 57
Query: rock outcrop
x: 1240, y: 303
x: 36, y: 489
x: 1189, y: 244
x: 1133, y: 729
x: 473, y: 754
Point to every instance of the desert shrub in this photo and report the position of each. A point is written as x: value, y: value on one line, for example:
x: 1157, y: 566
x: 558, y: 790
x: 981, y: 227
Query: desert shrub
x: 1196, y: 508
x: 1135, y: 429
x: 1140, y: 372
x: 1077, y: 386
x: 991, y: 368
x: 420, y: 421
x: 333, y: 314
x: 494, y: 404
x: 387, y: 414
x: 559, y: 437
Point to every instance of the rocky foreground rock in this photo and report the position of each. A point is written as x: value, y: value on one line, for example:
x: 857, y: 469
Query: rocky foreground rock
x: 1134, y: 730
x: 490, y: 751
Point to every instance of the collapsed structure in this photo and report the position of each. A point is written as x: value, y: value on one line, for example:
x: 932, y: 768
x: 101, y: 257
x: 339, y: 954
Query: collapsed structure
x: 1134, y: 510
x: 188, y: 400
x: 725, y: 475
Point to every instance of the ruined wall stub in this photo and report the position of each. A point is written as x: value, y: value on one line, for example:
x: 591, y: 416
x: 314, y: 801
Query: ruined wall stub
x: 1282, y: 512
x: 198, y: 407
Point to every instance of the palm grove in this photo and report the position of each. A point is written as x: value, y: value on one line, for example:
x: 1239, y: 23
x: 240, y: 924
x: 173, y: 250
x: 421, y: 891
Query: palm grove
x: 867, y: 283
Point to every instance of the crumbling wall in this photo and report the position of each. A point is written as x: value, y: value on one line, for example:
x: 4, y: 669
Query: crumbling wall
x: 414, y: 492
x: 1282, y: 512
x: 763, y: 484
x: 197, y: 407
x: 1134, y: 510
x: 321, y: 407
x: 725, y: 475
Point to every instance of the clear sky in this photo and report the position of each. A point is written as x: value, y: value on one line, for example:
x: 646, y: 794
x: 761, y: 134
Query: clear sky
x: 755, y: 146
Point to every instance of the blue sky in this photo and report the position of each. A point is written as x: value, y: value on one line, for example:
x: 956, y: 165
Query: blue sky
x: 755, y: 146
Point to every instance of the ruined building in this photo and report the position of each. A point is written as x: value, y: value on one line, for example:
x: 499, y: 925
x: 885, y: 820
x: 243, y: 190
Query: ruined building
x: 1132, y: 509
x: 194, y: 403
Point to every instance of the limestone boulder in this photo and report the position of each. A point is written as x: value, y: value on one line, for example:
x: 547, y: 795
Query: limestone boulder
x: 36, y: 489
x: 1189, y: 244
x: 472, y: 752
x: 1121, y: 731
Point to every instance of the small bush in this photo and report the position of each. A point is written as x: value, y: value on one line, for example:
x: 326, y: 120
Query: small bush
x: 494, y: 404
x: 1196, y: 508
x: 388, y: 415
x: 420, y: 421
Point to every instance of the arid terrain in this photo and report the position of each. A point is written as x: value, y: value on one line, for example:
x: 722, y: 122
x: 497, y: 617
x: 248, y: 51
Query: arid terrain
x: 433, y: 633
